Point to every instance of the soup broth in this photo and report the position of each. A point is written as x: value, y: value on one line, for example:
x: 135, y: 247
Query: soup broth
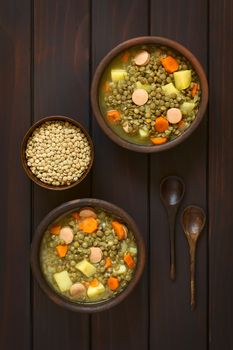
x: 88, y: 255
x: 149, y: 94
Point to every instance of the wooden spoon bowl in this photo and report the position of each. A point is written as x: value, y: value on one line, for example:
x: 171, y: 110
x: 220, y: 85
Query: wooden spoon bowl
x: 193, y: 221
x: 172, y: 189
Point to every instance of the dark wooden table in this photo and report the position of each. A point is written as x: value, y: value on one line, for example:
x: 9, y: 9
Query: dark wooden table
x: 48, y: 52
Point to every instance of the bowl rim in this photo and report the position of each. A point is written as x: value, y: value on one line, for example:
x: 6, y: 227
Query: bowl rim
x: 62, y: 210
x: 140, y: 41
x: 24, y: 144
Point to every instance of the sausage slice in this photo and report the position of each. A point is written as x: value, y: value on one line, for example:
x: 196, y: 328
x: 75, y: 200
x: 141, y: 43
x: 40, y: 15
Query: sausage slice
x: 66, y: 234
x: 140, y: 97
x: 174, y: 115
x: 142, y: 58
x: 95, y: 254
x: 87, y: 213
x: 77, y: 290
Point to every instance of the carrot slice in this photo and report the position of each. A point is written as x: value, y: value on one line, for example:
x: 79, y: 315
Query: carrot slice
x: 75, y: 216
x: 86, y: 284
x: 108, y: 262
x: 181, y: 125
x: 170, y: 64
x: 158, y: 140
x: 195, y: 89
x: 119, y: 230
x: 129, y: 261
x: 94, y: 282
x: 62, y: 250
x: 161, y: 124
x: 106, y: 86
x: 113, y: 283
x: 55, y: 229
x: 125, y: 57
x: 88, y: 225
x: 114, y: 116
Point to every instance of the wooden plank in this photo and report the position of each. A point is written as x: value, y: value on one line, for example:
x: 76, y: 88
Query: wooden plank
x: 120, y: 176
x: 61, y: 42
x: 220, y: 175
x: 15, y: 187
x: 172, y: 324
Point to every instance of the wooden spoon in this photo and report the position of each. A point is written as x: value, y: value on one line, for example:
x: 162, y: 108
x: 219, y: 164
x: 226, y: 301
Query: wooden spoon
x: 172, y: 190
x: 193, y: 222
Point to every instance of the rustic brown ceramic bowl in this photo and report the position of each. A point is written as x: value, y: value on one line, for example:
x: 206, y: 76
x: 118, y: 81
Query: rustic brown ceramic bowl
x: 144, y: 41
x: 63, y: 210
x: 24, y: 145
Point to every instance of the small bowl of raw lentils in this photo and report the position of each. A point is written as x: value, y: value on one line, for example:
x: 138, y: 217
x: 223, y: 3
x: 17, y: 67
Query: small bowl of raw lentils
x: 57, y: 152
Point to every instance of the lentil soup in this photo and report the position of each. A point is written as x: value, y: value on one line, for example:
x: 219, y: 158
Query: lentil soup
x: 149, y: 94
x: 88, y: 255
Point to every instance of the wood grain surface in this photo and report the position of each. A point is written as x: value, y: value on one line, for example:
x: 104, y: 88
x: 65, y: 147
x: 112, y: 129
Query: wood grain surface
x: 116, y: 329
x: 15, y: 208
x: 220, y: 176
x: 49, y: 51
x: 61, y: 87
x: 172, y: 324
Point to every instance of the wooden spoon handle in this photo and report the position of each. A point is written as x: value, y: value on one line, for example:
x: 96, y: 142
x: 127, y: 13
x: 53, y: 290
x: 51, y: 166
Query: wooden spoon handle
x: 192, y: 275
x: 172, y: 271
x: 193, y: 302
x: 172, y: 218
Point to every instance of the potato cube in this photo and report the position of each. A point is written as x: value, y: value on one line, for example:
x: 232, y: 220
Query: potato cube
x: 182, y: 79
x: 95, y: 292
x: 86, y: 268
x: 121, y: 270
x: 63, y: 280
x: 187, y: 107
x: 133, y: 250
x: 169, y: 89
x: 118, y: 74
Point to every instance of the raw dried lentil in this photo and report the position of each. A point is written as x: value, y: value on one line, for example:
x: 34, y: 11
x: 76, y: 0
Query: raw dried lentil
x: 58, y: 153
